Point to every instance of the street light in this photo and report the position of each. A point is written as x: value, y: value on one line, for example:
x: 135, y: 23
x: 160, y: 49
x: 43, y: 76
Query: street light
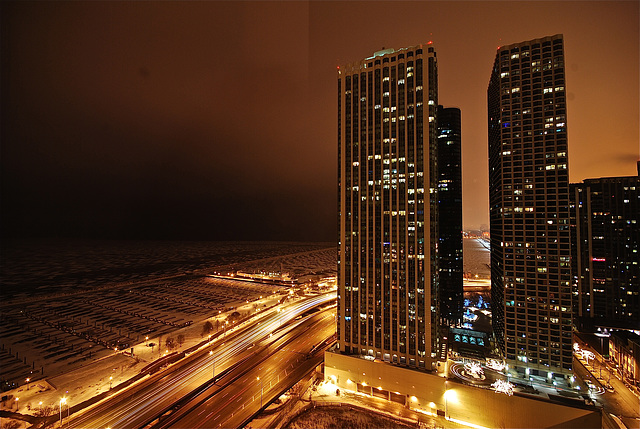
x: 17, y: 405
x: 28, y: 380
x: 110, y: 381
x: 62, y: 401
x: 261, y: 386
x: 446, y: 385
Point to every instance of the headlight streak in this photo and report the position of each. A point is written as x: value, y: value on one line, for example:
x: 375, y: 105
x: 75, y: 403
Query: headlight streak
x: 127, y: 412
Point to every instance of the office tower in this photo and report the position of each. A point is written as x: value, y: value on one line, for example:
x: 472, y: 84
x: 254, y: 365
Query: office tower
x: 529, y: 206
x: 387, y: 277
x: 450, y: 214
x: 606, y: 252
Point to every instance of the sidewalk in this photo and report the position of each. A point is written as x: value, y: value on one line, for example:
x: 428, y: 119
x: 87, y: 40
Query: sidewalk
x: 325, y: 395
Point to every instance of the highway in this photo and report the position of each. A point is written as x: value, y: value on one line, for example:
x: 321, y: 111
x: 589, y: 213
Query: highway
x: 260, y: 381
x: 142, y: 402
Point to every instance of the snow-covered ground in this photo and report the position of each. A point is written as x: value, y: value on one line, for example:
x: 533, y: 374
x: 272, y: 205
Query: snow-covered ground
x: 476, y: 258
x: 65, y: 342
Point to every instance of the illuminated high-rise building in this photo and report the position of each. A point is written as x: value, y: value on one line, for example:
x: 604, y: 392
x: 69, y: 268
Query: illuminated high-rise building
x: 387, y: 149
x: 450, y: 266
x: 529, y: 206
x: 606, y: 252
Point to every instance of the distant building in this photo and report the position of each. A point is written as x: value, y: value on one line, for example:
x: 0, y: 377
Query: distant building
x: 387, y: 278
x: 606, y: 252
x: 450, y: 214
x: 624, y: 347
x: 529, y: 206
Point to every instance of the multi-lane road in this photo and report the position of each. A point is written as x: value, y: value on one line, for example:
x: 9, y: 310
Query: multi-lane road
x: 621, y: 402
x: 258, y: 381
x: 258, y: 343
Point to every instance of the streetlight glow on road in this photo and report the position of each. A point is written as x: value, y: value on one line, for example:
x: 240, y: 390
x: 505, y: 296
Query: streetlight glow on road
x: 261, y: 388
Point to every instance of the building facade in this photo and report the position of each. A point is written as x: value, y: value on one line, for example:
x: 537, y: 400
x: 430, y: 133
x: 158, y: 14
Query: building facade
x: 450, y: 266
x: 606, y: 252
x: 529, y: 206
x: 387, y: 180
x: 624, y: 349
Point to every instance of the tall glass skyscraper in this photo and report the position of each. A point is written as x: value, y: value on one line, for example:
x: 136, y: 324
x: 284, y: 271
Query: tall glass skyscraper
x: 450, y: 215
x: 606, y: 252
x: 387, y: 148
x: 529, y: 206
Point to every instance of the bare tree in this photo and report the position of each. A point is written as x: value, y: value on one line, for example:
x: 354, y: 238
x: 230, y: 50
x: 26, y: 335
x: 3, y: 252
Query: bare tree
x: 10, y: 424
x: 180, y: 340
x: 42, y: 413
x: 207, y: 328
x: 170, y: 342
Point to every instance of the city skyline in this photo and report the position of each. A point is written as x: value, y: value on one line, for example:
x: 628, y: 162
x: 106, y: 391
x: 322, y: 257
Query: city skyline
x: 117, y: 126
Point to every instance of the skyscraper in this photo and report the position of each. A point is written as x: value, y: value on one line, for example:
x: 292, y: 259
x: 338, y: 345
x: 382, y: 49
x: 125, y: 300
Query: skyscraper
x: 606, y: 252
x: 387, y: 277
x: 529, y: 206
x: 450, y: 214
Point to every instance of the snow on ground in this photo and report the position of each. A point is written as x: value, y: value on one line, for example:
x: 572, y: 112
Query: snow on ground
x: 97, y: 375
x: 476, y: 258
x: 72, y: 337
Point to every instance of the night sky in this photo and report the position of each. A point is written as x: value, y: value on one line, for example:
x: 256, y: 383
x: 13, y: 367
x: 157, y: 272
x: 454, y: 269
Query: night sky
x: 218, y: 120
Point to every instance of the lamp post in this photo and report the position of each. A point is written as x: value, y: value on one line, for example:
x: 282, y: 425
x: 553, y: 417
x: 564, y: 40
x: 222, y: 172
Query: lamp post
x: 110, y: 382
x: 17, y: 404
x: 446, y: 385
x: 261, y: 386
x: 28, y: 380
x: 62, y: 401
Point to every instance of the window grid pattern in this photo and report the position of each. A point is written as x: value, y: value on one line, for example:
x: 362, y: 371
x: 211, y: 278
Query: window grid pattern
x: 388, y: 198
x: 529, y: 205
